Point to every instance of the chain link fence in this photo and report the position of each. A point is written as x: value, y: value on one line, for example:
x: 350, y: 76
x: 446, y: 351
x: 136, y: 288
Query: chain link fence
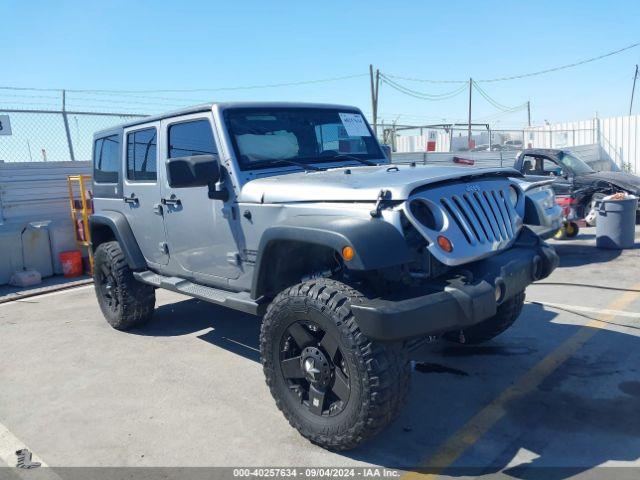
x: 459, y: 138
x: 52, y: 135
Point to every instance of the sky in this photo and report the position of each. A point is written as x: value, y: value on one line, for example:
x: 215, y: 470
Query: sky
x: 160, y: 45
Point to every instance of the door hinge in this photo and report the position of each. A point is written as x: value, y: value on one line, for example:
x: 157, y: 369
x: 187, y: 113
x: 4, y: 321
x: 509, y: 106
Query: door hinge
x: 163, y: 247
x: 157, y: 209
x: 233, y: 258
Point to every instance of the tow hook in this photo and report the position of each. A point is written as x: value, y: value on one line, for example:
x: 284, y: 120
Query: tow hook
x: 382, y: 196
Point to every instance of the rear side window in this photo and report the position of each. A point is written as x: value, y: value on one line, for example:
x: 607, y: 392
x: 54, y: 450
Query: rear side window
x: 191, y: 138
x: 141, y: 155
x: 106, y: 159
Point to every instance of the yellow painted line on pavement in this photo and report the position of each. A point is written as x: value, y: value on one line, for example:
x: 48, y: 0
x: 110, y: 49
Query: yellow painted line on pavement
x: 486, y: 418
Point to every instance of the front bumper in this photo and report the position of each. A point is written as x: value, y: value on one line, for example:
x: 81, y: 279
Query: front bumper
x: 467, y: 298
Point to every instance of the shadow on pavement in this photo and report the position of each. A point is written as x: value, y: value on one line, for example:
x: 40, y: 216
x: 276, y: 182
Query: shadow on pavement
x: 452, y: 383
x: 231, y: 330
x: 567, y: 430
x: 575, y: 255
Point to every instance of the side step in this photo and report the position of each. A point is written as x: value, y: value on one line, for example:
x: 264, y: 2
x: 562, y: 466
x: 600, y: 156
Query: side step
x: 237, y: 300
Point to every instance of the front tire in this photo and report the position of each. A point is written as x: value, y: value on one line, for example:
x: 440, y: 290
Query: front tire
x: 334, y: 385
x: 125, y: 302
x: 490, y: 328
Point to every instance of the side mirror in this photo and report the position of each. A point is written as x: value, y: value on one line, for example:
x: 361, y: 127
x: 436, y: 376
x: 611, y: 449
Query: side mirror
x: 386, y: 149
x: 193, y: 171
x: 197, y: 171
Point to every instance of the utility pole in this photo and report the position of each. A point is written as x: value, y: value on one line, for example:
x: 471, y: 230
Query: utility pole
x: 469, y: 132
x: 529, y: 113
x: 375, y: 84
x: 633, y: 89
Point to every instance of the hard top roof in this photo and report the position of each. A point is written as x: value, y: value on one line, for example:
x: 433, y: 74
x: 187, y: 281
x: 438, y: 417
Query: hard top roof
x: 222, y: 105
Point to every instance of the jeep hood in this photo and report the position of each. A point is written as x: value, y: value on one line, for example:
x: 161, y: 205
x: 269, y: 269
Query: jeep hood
x: 358, y: 183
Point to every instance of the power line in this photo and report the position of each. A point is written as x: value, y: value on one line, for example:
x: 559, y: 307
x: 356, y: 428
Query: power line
x: 524, y: 75
x: 195, y: 90
x: 494, y: 102
x: 562, y: 67
x: 423, y: 95
x: 424, y: 80
x: 494, y: 116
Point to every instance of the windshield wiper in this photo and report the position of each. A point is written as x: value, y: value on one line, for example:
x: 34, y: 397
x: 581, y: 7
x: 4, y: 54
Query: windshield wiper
x: 351, y: 157
x: 306, y: 166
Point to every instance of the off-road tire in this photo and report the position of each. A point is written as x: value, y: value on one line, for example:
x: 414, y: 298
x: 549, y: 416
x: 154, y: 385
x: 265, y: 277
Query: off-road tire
x: 134, y: 301
x: 490, y: 328
x: 379, y: 373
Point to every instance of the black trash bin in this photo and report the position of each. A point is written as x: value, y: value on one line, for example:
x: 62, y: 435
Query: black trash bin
x: 616, y: 224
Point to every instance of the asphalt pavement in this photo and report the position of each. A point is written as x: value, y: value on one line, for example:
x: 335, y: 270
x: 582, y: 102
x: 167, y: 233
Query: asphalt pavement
x: 559, y: 389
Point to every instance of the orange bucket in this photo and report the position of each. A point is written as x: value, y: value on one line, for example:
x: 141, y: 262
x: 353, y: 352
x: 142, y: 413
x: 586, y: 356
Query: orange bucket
x: 71, y: 263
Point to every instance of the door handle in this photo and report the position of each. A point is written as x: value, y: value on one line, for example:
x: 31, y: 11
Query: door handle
x: 172, y: 200
x: 131, y: 199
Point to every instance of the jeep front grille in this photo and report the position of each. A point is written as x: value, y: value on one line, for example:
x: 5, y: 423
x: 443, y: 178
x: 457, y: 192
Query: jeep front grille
x: 477, y: 218
x: 482, y: 217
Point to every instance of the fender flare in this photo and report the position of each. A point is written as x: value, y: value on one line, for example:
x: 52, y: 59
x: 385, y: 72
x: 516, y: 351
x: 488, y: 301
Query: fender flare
x: 118, y: 224
x: 377, y: 243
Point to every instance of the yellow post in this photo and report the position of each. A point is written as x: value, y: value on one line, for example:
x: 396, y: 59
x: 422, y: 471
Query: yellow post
x: 84, y: 211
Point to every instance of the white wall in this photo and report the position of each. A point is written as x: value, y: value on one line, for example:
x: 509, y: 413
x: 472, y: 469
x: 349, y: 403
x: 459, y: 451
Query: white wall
x: 32, y: 191
x: 619, y: 138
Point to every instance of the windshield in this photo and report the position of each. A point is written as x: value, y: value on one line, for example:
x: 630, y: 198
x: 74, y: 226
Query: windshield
x: 574, y: 164
x: 264, y: 137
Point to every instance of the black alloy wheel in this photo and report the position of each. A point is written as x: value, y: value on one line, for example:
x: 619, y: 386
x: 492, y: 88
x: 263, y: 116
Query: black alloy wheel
x: 314, y: 368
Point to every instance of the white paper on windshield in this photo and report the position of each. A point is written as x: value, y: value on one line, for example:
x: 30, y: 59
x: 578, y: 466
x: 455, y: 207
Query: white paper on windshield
x: 354, y: 124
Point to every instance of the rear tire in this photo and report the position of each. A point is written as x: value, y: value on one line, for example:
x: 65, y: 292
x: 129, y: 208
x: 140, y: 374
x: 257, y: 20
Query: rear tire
x: 334, y: 385
x: 490, y: 328
x: 124, y: 301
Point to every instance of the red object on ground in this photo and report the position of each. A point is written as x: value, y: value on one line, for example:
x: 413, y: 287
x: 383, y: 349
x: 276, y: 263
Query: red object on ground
x: 71, y: 263
x: 463, y: 161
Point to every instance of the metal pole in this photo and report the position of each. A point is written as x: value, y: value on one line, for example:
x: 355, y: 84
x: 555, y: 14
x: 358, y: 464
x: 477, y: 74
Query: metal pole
x: 469, y: 131
x: 29, y: 147
x: 66, y: 126
x: 529, y: 113
x: 633, y: 89
x: 450, y: 138
x: 377, y: 90
x: 374, y: 106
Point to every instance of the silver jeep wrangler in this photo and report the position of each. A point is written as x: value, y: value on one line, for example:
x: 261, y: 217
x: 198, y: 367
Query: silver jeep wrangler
x: 294, y: 213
